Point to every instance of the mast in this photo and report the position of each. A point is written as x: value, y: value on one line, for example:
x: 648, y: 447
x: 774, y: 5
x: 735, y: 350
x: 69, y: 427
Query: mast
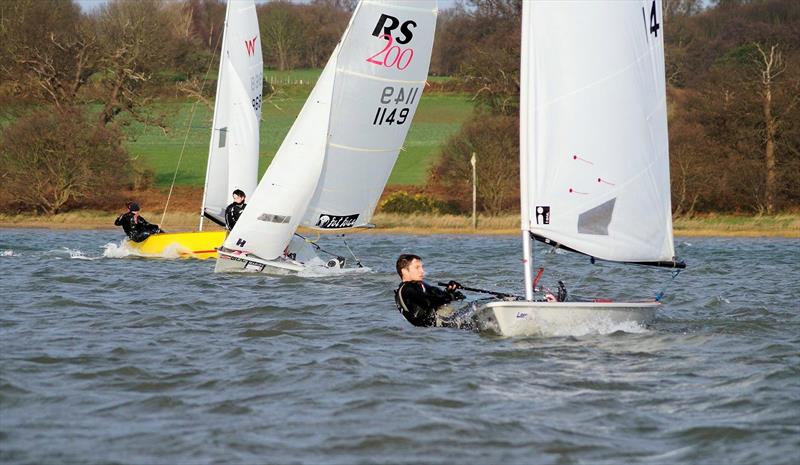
x: 223, y: 51
x: 525, y: 108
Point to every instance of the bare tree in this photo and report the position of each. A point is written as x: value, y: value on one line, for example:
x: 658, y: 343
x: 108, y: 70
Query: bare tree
x: 674, y: 8
x: 323, y: 25
x: 770, y: 64
x: 495, y: 140
x: 48, y: 50
x: 136, y: 41
x: 281, y: 33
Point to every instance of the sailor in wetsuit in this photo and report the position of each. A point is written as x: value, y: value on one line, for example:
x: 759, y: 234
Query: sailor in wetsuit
x: 234, y: 210
x: 423, y: 304
x: 136, y: 227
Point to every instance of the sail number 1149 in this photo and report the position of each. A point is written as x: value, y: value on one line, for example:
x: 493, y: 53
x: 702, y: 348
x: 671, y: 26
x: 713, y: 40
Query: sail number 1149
x: 389, y: 112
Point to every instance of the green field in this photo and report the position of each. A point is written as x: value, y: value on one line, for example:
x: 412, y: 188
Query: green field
x: 438, y: 116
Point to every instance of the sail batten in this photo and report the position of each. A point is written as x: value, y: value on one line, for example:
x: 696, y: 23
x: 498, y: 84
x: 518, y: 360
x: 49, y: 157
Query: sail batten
x: 378, y: 78
x: 362, y: 149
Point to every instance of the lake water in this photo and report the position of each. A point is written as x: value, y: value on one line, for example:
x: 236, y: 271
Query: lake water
x: 143, y: 361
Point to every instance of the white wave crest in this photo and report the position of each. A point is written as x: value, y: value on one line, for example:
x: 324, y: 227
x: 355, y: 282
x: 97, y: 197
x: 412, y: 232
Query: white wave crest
x: 112, y: 250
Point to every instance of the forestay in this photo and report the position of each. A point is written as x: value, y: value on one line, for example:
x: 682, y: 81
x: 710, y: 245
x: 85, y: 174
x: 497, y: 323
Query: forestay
x: 334, y: 163
x: 233, y: 150
x: 594, y: 149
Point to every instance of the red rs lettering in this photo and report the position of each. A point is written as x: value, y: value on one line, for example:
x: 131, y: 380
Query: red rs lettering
x: 390, y: 59
x: 388, y: 44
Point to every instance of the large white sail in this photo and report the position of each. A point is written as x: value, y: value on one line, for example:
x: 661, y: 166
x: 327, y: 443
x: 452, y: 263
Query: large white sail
x: 595, y: 155
x: 233, y: 150
x: 333, y: 164
x: 380, y: 76
x: 277, y: 205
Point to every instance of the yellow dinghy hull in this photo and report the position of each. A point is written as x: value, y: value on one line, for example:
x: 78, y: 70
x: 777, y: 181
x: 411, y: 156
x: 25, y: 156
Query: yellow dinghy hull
x: 198, y: 244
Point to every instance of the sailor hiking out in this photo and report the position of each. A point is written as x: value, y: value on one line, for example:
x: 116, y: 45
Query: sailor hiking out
x: 135, y: 226
x: 424, y: 304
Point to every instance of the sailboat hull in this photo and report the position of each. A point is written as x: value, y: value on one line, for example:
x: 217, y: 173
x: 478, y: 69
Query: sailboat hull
x: 197, y: 244
x: 238, y: 262
x: 524, y: 318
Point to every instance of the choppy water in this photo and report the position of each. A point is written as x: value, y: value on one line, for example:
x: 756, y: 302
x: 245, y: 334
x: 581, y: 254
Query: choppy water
x: 141, y: 361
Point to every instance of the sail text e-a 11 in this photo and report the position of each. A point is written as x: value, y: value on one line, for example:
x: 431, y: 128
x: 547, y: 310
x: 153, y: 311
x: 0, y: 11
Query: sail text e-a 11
x: 331, y: 168
x: 594, y: 152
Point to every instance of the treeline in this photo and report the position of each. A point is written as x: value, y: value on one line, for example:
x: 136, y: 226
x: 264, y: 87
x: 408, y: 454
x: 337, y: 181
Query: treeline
x: 733, y: 71
x: 74, y: 75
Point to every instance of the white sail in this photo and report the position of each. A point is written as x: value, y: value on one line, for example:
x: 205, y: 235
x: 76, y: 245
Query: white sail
x: 276, y: 207
x: 380, y: 76
x: 595, y: 155
x: 233, y: 150
x: 331, y: 168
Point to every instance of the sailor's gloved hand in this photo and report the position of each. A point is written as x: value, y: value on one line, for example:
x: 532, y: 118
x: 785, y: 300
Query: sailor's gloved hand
x: 453, y: 285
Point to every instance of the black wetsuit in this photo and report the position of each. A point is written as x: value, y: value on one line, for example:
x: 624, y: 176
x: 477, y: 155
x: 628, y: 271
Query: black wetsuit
x: 232, y: 214
x: 137, y: 231
x: 418, y: 301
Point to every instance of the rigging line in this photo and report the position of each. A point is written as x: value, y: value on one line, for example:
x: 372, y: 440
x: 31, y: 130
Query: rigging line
x: 358, y: 262
x: 316, y: 246
x: 186, y: 136
x: 660, y: 295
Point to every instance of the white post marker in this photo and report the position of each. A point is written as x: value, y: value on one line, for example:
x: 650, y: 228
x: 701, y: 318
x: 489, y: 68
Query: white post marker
x: 474, y: 192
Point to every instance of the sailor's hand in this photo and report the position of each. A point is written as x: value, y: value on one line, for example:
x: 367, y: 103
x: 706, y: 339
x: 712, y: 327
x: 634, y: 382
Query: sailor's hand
x: 453, y: 285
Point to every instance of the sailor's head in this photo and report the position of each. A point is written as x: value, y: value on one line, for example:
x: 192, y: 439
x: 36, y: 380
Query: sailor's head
x: 409, y: 267
x: 238, y: 196
x: 133, y: 206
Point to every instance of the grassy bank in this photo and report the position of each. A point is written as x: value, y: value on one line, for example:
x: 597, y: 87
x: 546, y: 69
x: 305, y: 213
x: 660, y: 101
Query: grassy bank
x: 783, y: 225
x: 438, y: 117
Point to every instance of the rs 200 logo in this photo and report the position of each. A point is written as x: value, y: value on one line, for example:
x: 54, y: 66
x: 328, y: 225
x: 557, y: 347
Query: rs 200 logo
x: 393, y: 30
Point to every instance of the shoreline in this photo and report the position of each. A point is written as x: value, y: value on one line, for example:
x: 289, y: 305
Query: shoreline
x: 785, y: 225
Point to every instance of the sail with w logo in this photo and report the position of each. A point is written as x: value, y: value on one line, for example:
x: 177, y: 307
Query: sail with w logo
x: 250, y: 45
x: 233, y: 149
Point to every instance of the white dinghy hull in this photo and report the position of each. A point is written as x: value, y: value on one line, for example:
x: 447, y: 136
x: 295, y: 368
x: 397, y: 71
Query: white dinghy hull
x: 525, y: 318
x: 238, y: 262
